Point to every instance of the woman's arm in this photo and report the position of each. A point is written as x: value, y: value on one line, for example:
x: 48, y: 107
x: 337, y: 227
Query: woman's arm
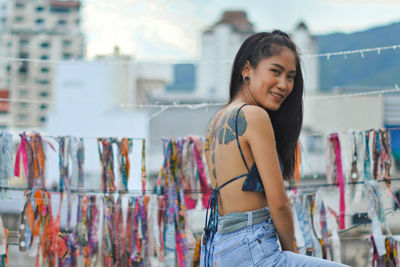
x: 261, y: 139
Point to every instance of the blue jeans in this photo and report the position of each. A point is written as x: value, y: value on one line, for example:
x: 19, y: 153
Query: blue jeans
x: 254, y: 245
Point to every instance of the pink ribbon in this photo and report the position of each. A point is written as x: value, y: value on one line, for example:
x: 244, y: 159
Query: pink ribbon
x: 179, y: 250
x: 340, y: 179
x: 21, y: 152
x: 205, y: 188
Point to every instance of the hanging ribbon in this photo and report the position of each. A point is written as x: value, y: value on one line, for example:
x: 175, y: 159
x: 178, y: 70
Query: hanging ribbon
x: 189, y: 173
x: 386, y: 161
x: 3, y: 244
x: 354, y: 160
x: 80, y: 154
x: 6, y: 158
x: 22, y: 153
x: 377, y: 150
x: 144, y: 166
x: 367, y: 158
x: 202, y: 175
x: 119, y: 233
x: 65, y: 177
x: 107, y: 164
x: 324, y: 228
x: 124, y: 148
x: 334, y: 139
x: 108, y: 232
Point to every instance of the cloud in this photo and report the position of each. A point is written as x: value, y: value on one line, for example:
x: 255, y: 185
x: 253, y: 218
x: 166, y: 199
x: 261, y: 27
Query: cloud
x: 363, y: 2
x: 171, y: 25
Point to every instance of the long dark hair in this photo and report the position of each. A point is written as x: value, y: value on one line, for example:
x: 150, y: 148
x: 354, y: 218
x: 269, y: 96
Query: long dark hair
x: 288, y: 120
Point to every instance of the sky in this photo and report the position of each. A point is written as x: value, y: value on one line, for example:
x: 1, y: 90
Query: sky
x: 171, y: 29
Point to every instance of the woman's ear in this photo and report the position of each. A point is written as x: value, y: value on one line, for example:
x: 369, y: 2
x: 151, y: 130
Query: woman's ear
x: 246, y: 69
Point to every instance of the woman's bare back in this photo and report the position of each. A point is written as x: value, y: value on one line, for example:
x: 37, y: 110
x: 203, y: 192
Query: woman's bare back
x: 225, y: 162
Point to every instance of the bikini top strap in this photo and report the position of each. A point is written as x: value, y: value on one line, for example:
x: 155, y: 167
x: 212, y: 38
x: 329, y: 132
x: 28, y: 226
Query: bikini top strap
x: 231, y: 180
x: 237, y: 136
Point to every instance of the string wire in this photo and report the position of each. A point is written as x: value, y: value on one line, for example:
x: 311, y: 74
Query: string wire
x: 344, y: 53
x: 152, y: 191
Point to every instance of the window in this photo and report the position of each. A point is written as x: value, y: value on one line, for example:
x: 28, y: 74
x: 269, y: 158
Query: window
x: 3, y: 19
x: 45, y: 45
x: 24, y: 41
x: 77, y: 22
x: 44, y: 70
x: 43, y: 106
x: 23, y: 92
x: 44, y: 94
x: 42, y: 119
x: 66, y: 43
x: 67, y: 56
x: 56, y: 9
x: 8, y: 68
x: 22, y: 116
x: 62, y: 22
x: 23, y: 104
x: 19, y: 19
x: 39, y: 21
x: 44, y: 57
x: 39, y: 9
x: 43, y: 82
x: 9, y: 43
x: 19, y: 5
x: 23, y: 55
x: 23, y: 68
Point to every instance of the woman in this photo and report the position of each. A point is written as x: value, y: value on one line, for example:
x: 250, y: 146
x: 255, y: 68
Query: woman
x: 250, y: 150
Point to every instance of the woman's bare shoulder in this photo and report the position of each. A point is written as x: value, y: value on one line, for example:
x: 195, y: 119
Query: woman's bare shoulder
x: 222, y: 127
x: 257, y: 120
x: 254, y: 113
x: 225, y: 123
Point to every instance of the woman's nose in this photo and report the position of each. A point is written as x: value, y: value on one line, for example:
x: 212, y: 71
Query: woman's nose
x: 282, y: 84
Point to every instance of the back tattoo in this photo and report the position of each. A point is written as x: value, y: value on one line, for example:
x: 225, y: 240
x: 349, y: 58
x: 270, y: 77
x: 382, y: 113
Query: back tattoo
x: 224, y: 133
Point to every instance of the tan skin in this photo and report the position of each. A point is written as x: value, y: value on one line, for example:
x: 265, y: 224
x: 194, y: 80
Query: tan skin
x: 271, y: 81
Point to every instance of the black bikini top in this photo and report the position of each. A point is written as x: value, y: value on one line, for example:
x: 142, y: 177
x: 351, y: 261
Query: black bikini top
x: 253, y: 179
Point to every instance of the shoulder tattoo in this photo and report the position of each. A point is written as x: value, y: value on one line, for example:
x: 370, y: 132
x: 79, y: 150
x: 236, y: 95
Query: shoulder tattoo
x: 224, y: 133
x: 226, y: 129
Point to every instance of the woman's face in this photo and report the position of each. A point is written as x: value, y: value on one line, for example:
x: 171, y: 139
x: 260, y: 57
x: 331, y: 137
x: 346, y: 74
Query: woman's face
x: 271, y: 82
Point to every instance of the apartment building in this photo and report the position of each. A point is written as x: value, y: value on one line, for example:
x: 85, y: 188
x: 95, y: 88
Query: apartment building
x: 34, y: 35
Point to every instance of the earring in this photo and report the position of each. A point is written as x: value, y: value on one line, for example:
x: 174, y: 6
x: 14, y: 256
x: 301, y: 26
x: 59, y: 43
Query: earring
x: 246, y: 79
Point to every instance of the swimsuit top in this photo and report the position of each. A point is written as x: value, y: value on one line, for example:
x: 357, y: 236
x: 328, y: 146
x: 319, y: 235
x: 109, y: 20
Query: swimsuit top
x: 251, y: 183
x: 253, y: 178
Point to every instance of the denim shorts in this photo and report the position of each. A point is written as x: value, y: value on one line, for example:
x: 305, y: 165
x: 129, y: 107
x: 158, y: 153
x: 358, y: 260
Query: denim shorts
x: 255, y: 244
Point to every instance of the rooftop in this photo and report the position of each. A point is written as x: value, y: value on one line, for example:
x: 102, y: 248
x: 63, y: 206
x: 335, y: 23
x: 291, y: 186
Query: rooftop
x: 237, y: 19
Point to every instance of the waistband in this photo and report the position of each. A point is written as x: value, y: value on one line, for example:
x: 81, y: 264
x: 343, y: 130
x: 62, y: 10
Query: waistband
x: 236, y: 220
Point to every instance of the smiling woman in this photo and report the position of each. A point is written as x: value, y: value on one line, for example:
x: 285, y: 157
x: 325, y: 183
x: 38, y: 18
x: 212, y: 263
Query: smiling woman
x: 259, y: 127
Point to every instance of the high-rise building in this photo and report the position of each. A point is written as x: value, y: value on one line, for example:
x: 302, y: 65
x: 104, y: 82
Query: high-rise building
x: 45, y: 30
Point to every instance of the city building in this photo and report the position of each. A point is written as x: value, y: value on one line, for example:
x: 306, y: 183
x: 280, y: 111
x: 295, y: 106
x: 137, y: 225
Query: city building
x: 39, y: 33
x: 307, y: 45
x: 218, y: 47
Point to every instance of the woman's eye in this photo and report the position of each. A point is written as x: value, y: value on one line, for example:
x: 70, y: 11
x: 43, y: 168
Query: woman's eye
x: 276, y: 71
x: 291, y: 77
